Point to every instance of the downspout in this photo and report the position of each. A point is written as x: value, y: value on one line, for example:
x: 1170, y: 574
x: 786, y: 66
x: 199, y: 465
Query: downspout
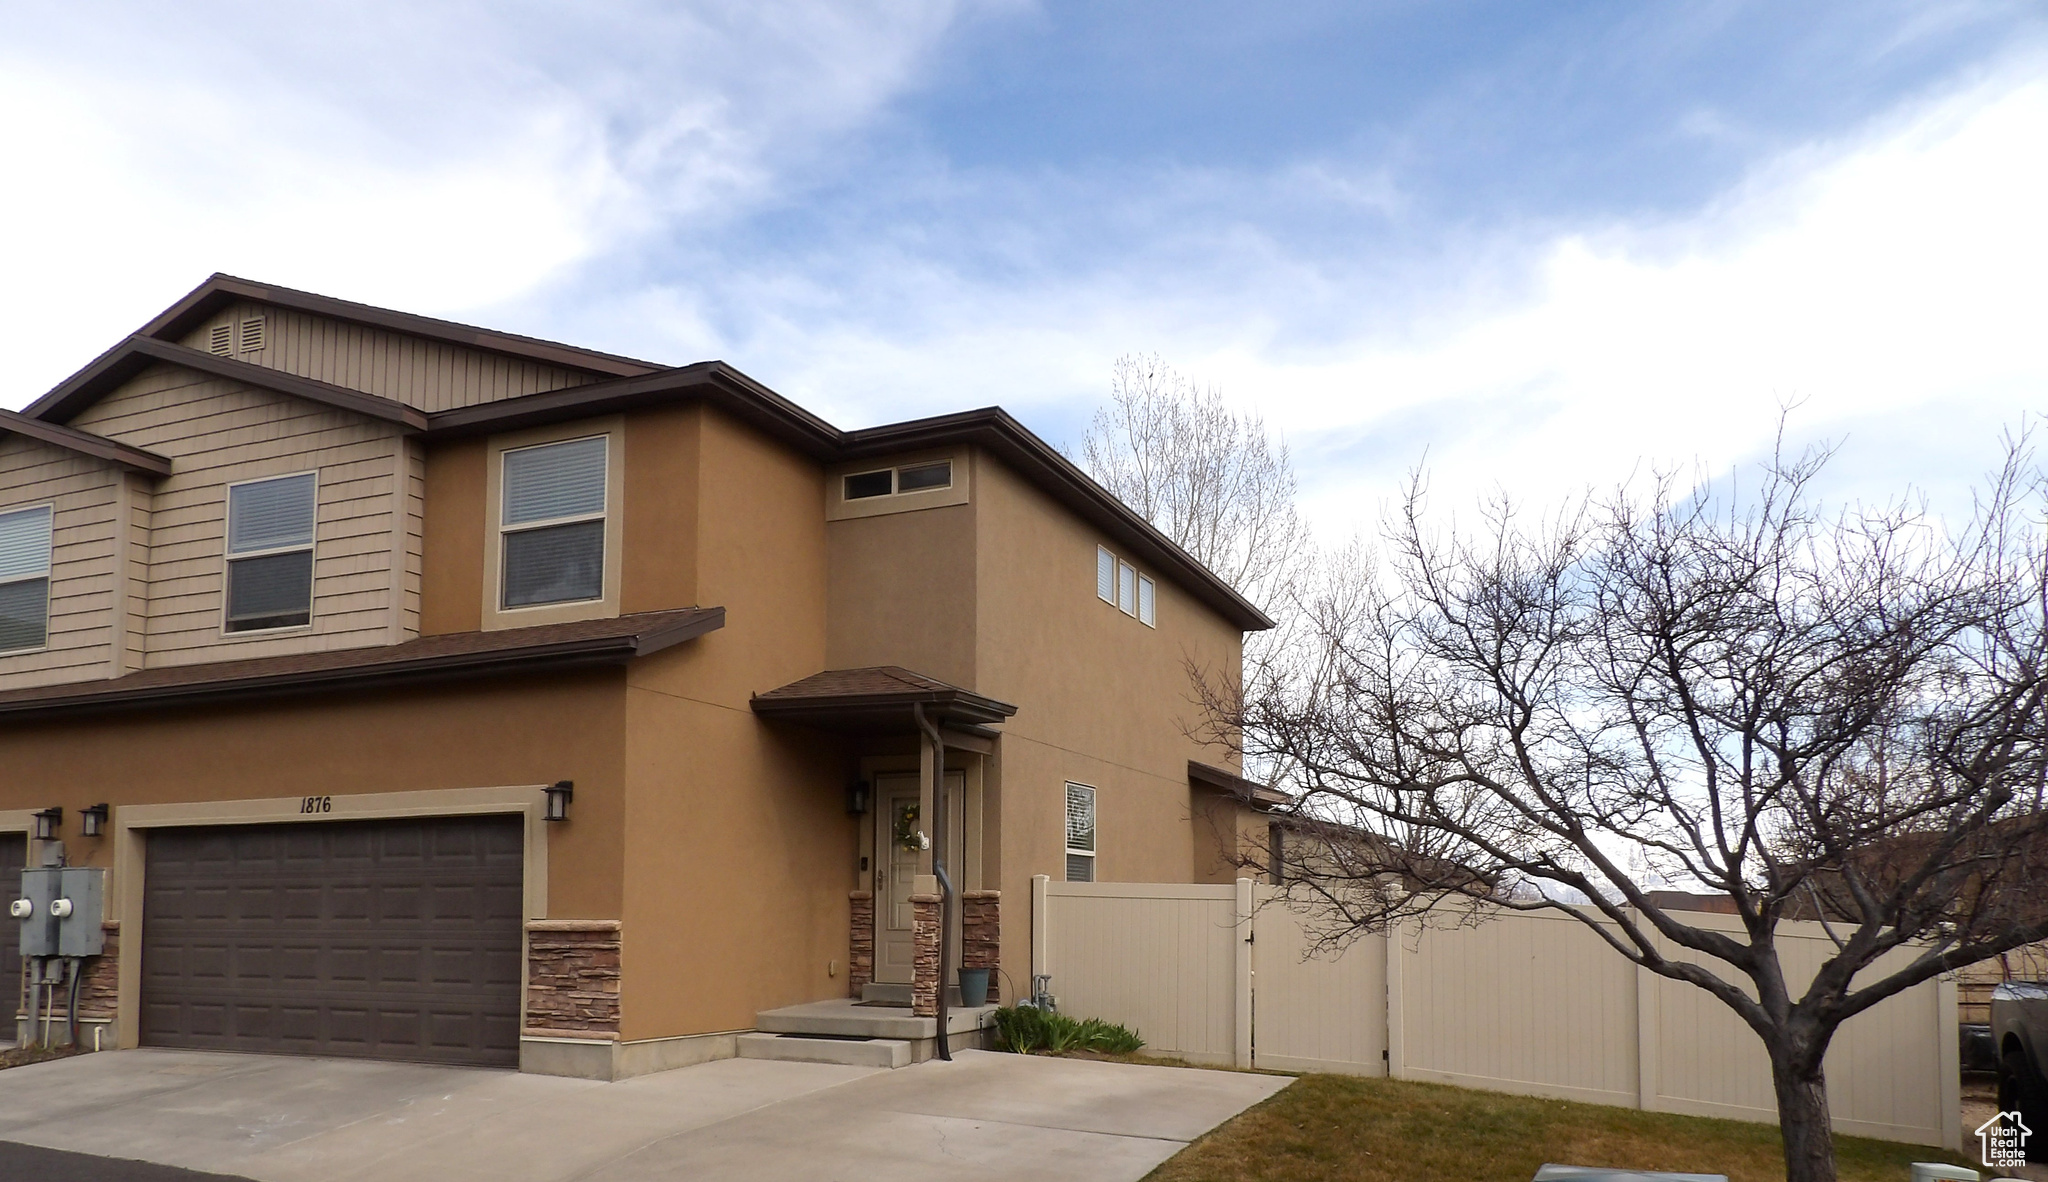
x: 939, y: 819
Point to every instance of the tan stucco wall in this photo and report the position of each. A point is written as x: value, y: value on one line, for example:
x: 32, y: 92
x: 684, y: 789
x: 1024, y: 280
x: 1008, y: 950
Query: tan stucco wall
x: 475, y: 735
x: 1102, y: 700
x: 452, y: 567
x: 739, y: 851
x: 903, y: 592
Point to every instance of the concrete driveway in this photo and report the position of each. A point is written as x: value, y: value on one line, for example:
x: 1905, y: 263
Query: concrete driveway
x: 984, y: 1116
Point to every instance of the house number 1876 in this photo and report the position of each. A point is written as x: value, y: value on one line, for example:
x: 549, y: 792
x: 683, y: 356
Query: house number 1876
x: 316, y: 804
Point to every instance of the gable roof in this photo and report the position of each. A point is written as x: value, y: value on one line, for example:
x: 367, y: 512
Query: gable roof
x: 136, y: 353
x: 633, y: 384
x: 219, y: 290
x: 85, y: 443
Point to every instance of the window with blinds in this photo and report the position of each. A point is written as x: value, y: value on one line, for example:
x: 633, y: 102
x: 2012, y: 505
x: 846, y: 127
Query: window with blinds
x: 24, y: 579
x: 1148, y: 602
x: 1105, y: 575
x: 270, y: 553
x: 1080, y: 833
x: 552, y: 522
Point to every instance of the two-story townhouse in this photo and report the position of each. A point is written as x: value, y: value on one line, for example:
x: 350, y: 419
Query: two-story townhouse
x: 436, y: 693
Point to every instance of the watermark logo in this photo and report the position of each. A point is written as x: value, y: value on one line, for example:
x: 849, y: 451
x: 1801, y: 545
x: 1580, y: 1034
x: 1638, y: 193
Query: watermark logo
x: 2004, y: 1141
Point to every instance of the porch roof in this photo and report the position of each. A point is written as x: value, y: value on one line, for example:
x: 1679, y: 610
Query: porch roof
x: 877, y: 699
x: 1206, y: 775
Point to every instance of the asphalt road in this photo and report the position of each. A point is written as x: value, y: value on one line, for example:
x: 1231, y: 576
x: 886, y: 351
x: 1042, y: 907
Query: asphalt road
x: 57, y: 1165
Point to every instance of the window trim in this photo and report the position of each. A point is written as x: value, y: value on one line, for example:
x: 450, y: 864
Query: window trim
x: 1148, y: 601
x: 612, y: 429
x: 49, y: 575
x: 1095, y: 820
x: 1126, y: 588
x: 838, y: 507
x: 229, y: 557
x: 1105, y: 575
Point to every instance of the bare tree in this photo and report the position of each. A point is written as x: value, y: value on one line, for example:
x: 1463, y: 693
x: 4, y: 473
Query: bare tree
x: 1811, y: 714
x: 1205, y: 476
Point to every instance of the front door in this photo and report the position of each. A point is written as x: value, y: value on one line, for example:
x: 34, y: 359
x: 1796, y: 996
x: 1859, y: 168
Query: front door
x: 898, y: 796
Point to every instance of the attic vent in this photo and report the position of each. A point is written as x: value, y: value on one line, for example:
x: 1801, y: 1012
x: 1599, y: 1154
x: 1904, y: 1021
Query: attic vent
x: 222, y: 340
x: 252, y: 336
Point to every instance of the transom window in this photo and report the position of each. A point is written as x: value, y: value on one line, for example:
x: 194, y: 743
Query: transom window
x: 909, y: 478
x: 1080, y: 833
x: 24, y: 579
x: 270, y: 553
x: 552, y: 523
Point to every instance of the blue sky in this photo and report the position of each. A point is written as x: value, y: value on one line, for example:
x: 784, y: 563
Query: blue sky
x: 1541, y: 245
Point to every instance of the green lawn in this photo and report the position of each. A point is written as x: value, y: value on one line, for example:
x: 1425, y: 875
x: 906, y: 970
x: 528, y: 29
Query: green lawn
x: 1362, y: 1130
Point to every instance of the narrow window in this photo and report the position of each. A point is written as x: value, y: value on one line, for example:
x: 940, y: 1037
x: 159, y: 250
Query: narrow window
x: 862, y: 485
x: 1126, y: 589
x: 552, y: 523
x: 270, y: 553
x: 925, y: 476
x: 1148, y: 601
x: 1105, y: 575
x: 1080, y: 833
x: 25, y: 579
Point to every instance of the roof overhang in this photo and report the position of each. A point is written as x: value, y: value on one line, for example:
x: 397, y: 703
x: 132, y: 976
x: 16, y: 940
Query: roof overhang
x: 878, y: 701
x: 428, y: 659
x: 1216, y: 779
x: 85, y: 443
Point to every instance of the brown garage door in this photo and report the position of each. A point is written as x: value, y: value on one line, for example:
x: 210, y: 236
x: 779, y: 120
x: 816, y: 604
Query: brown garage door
x: 13, y: 856
x: 374, y: 939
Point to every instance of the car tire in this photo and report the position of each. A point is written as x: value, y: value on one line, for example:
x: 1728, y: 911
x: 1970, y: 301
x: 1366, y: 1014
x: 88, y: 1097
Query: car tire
x: 2020, y: 1090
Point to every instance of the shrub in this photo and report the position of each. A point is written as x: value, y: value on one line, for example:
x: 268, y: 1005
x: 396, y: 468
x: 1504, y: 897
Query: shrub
x: 1025, y: 1029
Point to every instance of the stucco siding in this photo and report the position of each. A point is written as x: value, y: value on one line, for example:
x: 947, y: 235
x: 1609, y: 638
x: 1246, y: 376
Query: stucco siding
x: 430, y: 375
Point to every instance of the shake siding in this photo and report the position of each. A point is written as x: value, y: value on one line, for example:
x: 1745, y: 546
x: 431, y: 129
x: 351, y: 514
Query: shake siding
x: 429, y: 375
x: 218, y: 432
x: 84, y: 494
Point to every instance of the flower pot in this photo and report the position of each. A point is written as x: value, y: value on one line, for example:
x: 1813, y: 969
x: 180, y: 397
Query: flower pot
x: 973, y: 987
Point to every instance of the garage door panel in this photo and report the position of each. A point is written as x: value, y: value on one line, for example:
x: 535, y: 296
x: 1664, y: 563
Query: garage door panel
x: 390, y: 939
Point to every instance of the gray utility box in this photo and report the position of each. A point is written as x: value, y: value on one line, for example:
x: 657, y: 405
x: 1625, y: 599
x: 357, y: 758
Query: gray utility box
x: 43, y: 931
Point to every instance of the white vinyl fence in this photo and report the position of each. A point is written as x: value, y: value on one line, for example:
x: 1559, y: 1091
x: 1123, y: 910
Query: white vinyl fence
x: 1528, y: 1003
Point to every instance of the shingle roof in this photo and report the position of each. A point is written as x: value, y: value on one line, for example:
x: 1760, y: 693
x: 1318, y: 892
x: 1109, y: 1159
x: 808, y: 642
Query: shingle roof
x: 429, y: 658
x: 876, y: 697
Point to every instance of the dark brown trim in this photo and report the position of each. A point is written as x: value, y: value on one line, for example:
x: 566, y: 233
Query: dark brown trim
x: 203, y: 301
x: 85, y: 443
x: 884, y: 713
x: 379, y: 669
x: 1039, y: 462
x: 137, y: 353
x: 1204, y: 775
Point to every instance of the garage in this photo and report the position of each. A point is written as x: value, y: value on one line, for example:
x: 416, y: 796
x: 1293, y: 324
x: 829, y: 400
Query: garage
x: 368, y: 939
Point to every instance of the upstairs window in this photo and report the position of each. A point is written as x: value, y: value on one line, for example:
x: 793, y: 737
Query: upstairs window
x: 552, y: 523
x: 1119, y: 584
x: 1080, y: 833
x: 270, y: 553
x: 24, y: 579
x: 886, y: 482
x: 1105, y: 575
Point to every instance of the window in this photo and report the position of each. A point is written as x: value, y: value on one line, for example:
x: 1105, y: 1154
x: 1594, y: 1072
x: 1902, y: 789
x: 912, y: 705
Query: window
x: 24, y: 579
x: 860, y: 486
x: 1126, y: 589
x: 1105, y: 575
x: 1148, y: 602
x: 270, y: 553
x: 552, y: 523
x: 1119, y: 584
x: 1080, y: 833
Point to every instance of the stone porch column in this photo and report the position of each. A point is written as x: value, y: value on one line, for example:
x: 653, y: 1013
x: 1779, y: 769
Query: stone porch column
x: 981, y: 936
x: 924, y: 964
x: 860, y: 957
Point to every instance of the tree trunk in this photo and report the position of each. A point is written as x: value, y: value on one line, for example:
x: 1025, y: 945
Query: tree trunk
x: 1803, y: 1121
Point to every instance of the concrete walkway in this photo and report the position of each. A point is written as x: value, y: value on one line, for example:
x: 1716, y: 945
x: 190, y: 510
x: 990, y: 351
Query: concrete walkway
x: 985, y: 1116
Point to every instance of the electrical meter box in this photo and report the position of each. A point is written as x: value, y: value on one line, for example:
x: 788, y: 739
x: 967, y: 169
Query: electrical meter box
x: 79, y: 892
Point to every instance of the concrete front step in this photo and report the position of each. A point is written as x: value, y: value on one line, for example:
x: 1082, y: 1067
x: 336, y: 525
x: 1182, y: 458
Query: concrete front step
x: 841, y: 1018
x: 891, y: 994
x: 848, y: 1052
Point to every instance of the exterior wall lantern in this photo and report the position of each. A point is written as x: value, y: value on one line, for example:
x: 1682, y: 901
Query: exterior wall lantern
x: 48, y: 821
x: 857, y: 798
x: 559, y: 794
x: 92, y: 821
